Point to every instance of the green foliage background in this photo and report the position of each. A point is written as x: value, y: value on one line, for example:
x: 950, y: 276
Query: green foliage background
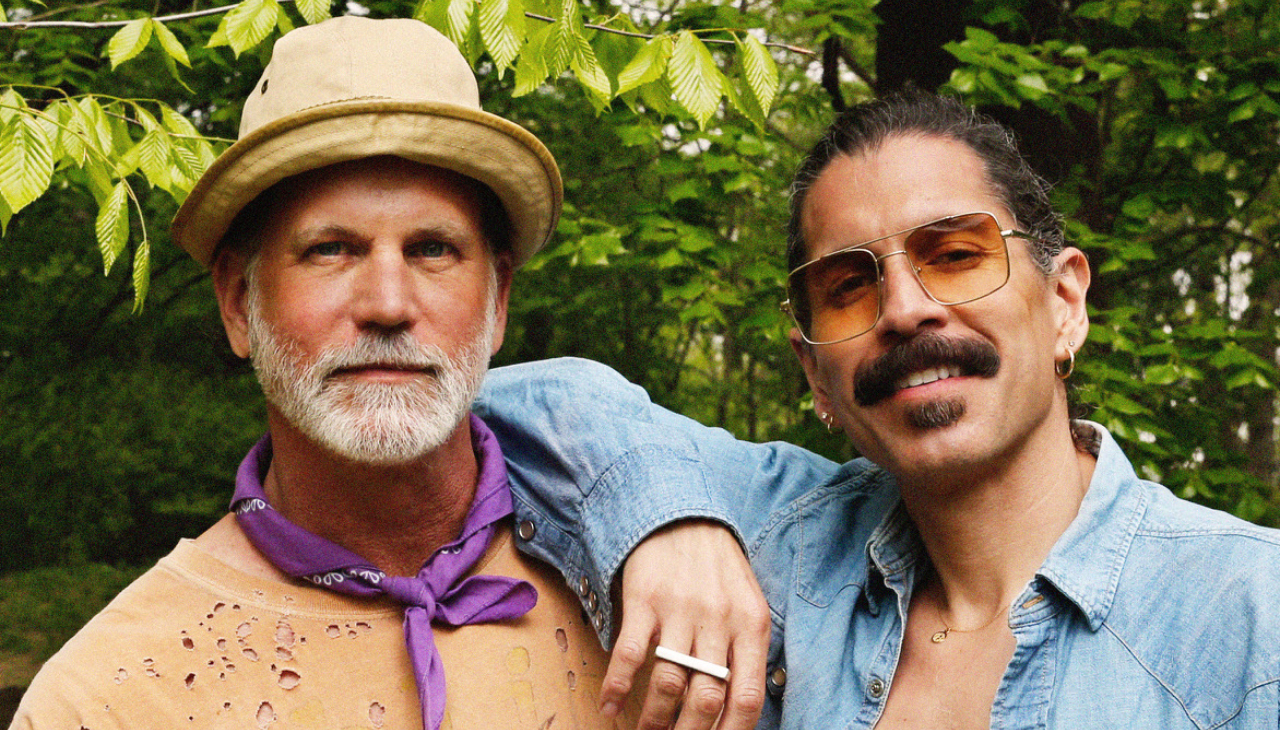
x: 1157, y: 120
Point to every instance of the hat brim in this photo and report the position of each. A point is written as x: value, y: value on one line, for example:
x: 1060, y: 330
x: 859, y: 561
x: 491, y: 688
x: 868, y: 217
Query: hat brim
x: 482, y: 146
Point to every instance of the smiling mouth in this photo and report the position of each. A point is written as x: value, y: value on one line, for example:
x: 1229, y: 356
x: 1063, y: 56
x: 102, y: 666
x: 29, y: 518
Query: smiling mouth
x: 928, y: 375
x: 924, y: 359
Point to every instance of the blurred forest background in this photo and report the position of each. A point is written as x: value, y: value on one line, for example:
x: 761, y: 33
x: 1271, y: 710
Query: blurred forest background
x: 125, y: 415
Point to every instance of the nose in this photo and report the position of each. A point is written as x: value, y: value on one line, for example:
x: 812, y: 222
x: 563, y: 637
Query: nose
x: 384, y: 292
x: 905, y: 308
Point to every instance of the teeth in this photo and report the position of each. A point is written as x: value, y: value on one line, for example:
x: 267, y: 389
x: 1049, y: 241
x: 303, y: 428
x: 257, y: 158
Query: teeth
x: 928, y: 375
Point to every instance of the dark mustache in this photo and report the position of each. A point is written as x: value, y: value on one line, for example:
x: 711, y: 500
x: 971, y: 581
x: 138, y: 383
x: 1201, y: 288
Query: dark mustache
x: 875, y: 382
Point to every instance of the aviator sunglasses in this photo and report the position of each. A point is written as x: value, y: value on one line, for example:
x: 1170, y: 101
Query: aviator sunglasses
x: 956, y: 260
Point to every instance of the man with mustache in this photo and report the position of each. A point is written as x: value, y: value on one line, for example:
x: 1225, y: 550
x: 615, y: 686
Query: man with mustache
x: 362, y: 235
x: 992, y: 562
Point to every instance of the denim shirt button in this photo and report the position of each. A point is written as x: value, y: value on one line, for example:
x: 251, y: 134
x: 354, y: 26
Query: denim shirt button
x: 526, y: 530
x: 875, y: 688
x: 584, y: 585
x: 776, y: 681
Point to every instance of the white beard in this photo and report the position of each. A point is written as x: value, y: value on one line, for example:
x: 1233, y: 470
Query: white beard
x: 381, y: 424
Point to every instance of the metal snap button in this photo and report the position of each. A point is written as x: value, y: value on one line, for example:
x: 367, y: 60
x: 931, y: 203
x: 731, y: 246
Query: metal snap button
x: 875, y: 687
x: 526, y: 530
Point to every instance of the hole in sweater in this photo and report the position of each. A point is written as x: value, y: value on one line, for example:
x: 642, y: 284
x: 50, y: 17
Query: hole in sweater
x: 266, y: 715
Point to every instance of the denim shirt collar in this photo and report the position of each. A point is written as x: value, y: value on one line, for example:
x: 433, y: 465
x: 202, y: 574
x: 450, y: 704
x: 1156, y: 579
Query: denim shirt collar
x: 1084, y: 564
x: 893, y: 551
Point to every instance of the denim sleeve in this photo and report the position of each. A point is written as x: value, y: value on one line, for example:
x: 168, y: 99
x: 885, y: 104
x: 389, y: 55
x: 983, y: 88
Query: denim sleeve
x: 595, y: 467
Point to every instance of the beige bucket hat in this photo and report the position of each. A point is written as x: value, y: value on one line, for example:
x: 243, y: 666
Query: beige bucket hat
x: 353, y: 87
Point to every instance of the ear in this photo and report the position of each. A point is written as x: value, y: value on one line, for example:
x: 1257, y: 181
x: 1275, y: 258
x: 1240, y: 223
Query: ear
x: 504, y: 271
x: 232, y: 290
x: 1070, y: 284
x: 822, y: 402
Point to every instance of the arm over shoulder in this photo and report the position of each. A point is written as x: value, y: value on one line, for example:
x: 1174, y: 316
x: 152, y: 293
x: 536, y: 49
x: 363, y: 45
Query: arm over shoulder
x: 596, y: 467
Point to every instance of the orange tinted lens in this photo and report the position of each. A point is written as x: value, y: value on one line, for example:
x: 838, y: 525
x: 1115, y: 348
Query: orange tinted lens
x: 960, y: 259
x: 838, y: 294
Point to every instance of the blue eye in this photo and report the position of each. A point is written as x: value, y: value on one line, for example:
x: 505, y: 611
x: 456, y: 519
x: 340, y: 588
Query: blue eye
x: 430, y: 249
x: 327, y: 248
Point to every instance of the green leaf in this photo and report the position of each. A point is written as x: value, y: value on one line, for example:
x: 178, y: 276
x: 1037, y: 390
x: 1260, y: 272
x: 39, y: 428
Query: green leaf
x: 249, y: 23
x: 457, y: 23
x: 759, y: 70
x: 1111, y: 71
x: 112, y: 226
x: 145, y: 118
x: 1245, y: 111
x: 670, y: 258
x: 1162, y: 375
x: 1032, y: 86
x: 4, y: 17
x: 68, y: 144
x: 1140, y: 206
x: 745, y: 103
x: 141, y: 273
x: 154, y: 153
x: 696, y: 81
x: 502, y: 28
x: 26, y: 161
x: 532, y: 70
x: 176, y: 123
x: 10, y: 104
x: 313, y: 11
x: 129, y: 41
x: 561, y: 46
x: 1093, y: 10
x: 979, y: 40
x: 658, y: 96
x: 647, y: 66
x: 171, y: 45
x: 588, y: 70
x: 689, y: 187
x: 1247, y: 377
x: 1116, y: 403
x: 185, y: 167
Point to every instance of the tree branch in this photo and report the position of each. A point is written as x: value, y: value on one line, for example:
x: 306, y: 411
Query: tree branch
x: 29, y: 24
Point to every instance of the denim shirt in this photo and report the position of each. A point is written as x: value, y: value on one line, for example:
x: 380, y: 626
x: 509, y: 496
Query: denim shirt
x: 1149, y: 612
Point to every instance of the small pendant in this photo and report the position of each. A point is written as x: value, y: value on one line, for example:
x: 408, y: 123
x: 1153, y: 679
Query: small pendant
x: 940, y: 636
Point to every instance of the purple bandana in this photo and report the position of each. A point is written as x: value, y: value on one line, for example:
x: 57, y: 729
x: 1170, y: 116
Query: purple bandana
x: 436, y: 594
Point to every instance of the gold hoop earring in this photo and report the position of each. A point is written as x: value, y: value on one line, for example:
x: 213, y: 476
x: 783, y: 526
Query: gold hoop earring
x: 829, y: 421
x: 1070, y: 363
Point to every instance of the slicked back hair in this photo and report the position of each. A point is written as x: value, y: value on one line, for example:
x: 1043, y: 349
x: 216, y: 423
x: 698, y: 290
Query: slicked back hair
x: 866, y: 126
x: 1023, y: 192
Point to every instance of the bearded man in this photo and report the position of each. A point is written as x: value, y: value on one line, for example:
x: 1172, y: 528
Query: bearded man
x: 362, y: 235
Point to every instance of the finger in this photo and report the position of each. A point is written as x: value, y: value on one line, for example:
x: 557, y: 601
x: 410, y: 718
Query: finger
x: 747, y: 681
x: 631, y: 650
x: 667, y: 684
x: 706, y: 694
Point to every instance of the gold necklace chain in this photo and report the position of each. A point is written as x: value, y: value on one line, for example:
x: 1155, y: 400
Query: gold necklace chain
x: 940, y: 636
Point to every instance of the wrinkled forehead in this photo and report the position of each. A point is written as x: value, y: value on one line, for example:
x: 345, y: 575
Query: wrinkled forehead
x: 251, y: 226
